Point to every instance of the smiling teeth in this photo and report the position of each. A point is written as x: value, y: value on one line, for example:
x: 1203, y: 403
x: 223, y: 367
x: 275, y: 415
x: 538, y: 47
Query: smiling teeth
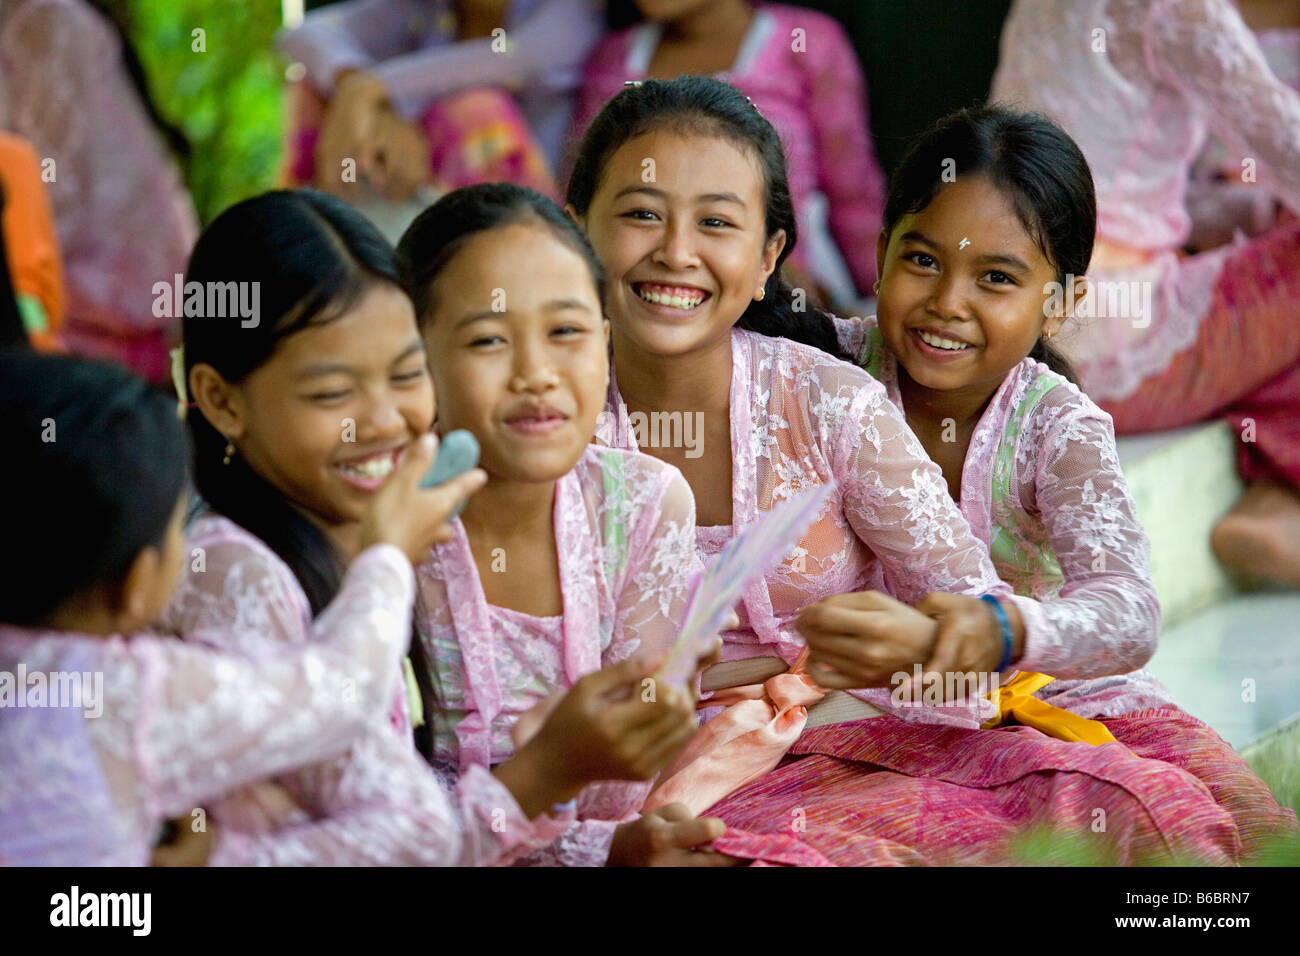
x: 675, y: 301
x: 375, y: 468
x: 941, y: 343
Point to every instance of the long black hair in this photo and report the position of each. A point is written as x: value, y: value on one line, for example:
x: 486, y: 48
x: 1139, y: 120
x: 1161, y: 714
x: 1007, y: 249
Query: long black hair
x: 1028, y: 157
x: 442, y: 230
x: 705, y: 105
x: 312, y: 257
x: 95, y: 467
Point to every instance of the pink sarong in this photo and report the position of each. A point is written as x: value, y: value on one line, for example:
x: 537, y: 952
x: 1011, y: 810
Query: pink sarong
x: 890, y: 792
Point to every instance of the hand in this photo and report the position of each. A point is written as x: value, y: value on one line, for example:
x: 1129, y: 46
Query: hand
x: 348, y: 130
x: 186, y: 845
x: 414, y: 519
x: 669, y: 836
x: 400, y: 157
x: 969, y: 636
x: 863, y: 639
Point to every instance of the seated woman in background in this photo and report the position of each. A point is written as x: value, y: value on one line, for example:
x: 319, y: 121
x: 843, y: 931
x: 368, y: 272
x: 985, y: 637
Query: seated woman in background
x: 446, y: 93
x: 77, y: 93
x: 798, y: 68
x: 1178, y: 340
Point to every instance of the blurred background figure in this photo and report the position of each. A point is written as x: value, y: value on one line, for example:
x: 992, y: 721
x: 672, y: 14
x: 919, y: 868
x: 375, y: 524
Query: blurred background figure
x: 32, y: 292
x: 75, y: 90
x: 799, y: 69
x: 1139, y: 85
x: 424, y: 96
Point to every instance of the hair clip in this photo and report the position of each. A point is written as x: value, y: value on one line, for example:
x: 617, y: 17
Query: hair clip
x: 754, y: 106
x: 630, y: 83
x: 178, y: 380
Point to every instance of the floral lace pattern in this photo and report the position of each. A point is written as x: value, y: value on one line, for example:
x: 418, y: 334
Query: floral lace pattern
x: 1042, y: 485
x: 183, y: 724
x: 376, y: 802
x: 1139, y: 85
x: 800, y: 418
x: 624, y: 538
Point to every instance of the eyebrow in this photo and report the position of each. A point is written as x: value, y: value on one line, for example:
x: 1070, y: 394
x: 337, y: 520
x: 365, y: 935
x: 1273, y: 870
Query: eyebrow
x: 555, y: 305
x: 1015, y: 263
x: 321, y: 369
x: 660, y: 194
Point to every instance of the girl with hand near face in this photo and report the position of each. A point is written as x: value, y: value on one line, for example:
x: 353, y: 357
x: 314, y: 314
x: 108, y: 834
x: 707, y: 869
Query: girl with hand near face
x: 572, y: 557
x: 972, y: 279
x: 306, y: 414
x: 154, y: 725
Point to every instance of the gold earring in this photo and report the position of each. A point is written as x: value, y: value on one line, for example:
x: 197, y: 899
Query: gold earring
x: 762, y: 294
x: 876, y: 287
x: 230, y: 450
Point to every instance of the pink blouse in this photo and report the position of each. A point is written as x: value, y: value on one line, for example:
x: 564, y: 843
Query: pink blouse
x: 177, y: 725
x: 377, y: 802
x: 802, y: 74
x: 1105, y: 619
x: 1139, y: 85
x: 800, y: 418
x: 624, y: 529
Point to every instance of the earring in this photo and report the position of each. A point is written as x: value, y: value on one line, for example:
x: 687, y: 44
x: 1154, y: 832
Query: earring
x: 230, y: 450
x: 762, y: 294
x: 876, y: 287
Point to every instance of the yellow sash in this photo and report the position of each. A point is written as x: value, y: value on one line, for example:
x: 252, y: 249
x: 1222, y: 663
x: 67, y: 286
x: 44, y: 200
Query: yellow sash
x: 1015, y: 699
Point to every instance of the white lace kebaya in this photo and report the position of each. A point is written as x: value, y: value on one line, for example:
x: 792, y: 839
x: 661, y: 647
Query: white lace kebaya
x: 374, y: 803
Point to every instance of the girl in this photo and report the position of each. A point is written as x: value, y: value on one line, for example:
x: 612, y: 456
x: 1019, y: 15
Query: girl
x: 967, y: 311
x: 691, y: 258
x: 143, y: 726
x: 572, y: 557
x: 454, y: 91
x: 1140, y: 98
x: 800, y: 70
x: 304, y: 416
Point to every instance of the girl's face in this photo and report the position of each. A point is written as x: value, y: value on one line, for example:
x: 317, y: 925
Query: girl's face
x: 518, y: 347
x: 329, y: 415
x: 962, y: 289
x: 678, y: 222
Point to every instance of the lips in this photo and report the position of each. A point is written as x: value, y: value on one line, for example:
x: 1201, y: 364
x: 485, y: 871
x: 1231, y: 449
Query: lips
x: 536, y: 420
x: 368, y: 472
x: 680, y: 298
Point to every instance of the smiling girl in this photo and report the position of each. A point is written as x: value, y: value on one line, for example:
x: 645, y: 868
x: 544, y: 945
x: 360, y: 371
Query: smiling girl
x: 303, y: 418
x: 572, y: 557
x: 962, y: 342
x: 691, y: 258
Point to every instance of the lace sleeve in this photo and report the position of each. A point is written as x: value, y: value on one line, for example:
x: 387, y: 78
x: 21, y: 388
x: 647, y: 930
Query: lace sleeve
x: 1205, y: 50
x: 546, y: 50
x: 201, y: 724
x: 1106, y: 619
x: 897, y: 502
x: 661, y: 562
x: 388, y: 808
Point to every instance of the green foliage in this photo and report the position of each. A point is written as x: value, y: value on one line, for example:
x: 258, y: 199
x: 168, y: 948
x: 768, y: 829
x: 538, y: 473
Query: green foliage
x: 228, y: 99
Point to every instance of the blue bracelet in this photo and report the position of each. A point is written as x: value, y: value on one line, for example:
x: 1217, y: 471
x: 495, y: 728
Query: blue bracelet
x: 1005, y: 624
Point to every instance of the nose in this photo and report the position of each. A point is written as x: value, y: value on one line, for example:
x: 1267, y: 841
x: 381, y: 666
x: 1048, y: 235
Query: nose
x: 532, y: 370
x: 380, y: 417
x: 948, y: 299
x: 676, y: 250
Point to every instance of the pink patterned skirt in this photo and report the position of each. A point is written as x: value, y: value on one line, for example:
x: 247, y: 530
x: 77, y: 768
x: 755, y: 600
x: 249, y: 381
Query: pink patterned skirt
x: 890, y: 792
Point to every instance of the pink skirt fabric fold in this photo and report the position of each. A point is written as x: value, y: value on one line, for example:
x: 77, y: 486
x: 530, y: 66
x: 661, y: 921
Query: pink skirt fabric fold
x: 887, y: 792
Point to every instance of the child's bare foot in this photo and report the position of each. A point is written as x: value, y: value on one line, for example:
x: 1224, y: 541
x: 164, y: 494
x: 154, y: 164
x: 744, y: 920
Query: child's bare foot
x: 1260, y: 536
